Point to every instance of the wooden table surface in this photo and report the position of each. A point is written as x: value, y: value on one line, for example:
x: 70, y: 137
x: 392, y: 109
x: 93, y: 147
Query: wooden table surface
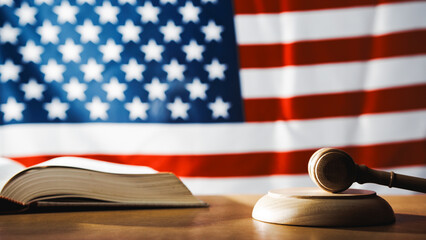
x: 228, y: 217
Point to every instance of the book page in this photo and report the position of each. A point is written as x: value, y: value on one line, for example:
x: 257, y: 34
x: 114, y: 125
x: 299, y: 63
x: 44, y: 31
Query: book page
x: 8, y: 169
x: 97, y: 165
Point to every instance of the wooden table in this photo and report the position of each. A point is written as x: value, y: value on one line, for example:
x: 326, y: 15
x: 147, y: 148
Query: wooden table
x: 228, y: 217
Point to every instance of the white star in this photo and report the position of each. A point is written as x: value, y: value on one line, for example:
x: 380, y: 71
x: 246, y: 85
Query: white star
x: 9, y: 33
x: 9, y: 71
x: 26, y: 14
x: 56, y: 109
x: 92, y: 70
x: 6, y: 3
x: 178, y: 109
x: 12, y: 110
x: 173, y: 2
x: 97, y: 109
x: 88, y: 32
x: 90, y: 2
x: 133, y: 70
x: 193, y: 51
x: 197, y: 89
x: 131, y: 2
x: 107, y: 13
x: 216, y: 70
x: 48, y: 32
x: 148, y: 13
x: 31, y: 52
x: 137, y: 109
x: 219, y: 108
x: 39, y: 2
x: 33, y: 90
x: 66, y: 12
x: 130, y: 32
x: 111, y: 51
x: 53, y: 71
x: 190, y: 13
x: 212, y: 31
x: 75, y: 90
x: 152, y: 51
x: 171, y: 32
x: 114, y: 89
x: 70, y: 51
x: 174, y: 70
x: 156, y: 90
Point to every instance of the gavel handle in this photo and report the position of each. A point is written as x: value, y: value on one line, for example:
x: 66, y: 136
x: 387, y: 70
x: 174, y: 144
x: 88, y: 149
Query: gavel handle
x: 391, y: 179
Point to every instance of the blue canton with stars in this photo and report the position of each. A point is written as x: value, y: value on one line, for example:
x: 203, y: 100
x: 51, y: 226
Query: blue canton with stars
x: 162, y: 61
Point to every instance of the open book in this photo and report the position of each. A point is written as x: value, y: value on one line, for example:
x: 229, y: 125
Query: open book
x: 80, y: 182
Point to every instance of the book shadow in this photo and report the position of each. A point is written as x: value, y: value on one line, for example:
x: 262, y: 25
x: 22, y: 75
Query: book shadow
x: 139, y: 216
x: 10, y: 208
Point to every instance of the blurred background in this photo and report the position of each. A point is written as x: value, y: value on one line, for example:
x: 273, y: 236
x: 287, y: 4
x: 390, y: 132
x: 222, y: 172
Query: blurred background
x: 231, y: 96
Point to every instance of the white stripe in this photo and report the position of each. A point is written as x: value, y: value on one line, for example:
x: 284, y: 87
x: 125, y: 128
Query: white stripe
x: 166, y: 139
x: 261, y: 185
x: 322, y: 24
x: 203, y: 186
x: 330, y: 78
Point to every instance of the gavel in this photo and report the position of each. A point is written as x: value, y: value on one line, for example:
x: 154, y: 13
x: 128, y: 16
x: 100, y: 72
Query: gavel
x: 334, y: 171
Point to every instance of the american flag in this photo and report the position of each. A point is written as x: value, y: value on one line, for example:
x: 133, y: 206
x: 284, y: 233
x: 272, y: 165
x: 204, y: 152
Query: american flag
x: 232, y: 96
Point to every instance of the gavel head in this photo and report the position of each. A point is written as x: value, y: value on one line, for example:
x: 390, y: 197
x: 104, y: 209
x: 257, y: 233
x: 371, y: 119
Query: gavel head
x: 332, y: 169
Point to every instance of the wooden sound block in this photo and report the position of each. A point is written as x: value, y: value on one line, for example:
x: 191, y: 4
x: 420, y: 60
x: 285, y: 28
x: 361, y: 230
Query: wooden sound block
x: 316, y: 207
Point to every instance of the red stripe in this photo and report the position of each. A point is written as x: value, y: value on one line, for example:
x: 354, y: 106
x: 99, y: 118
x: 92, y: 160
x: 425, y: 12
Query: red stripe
x: 278, y: 6
x: 264, y: 163
x: 335, y: 50
x: 336, y: 105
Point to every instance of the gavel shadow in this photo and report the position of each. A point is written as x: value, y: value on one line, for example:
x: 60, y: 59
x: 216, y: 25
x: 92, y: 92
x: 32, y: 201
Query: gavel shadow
x: 405, y: 223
